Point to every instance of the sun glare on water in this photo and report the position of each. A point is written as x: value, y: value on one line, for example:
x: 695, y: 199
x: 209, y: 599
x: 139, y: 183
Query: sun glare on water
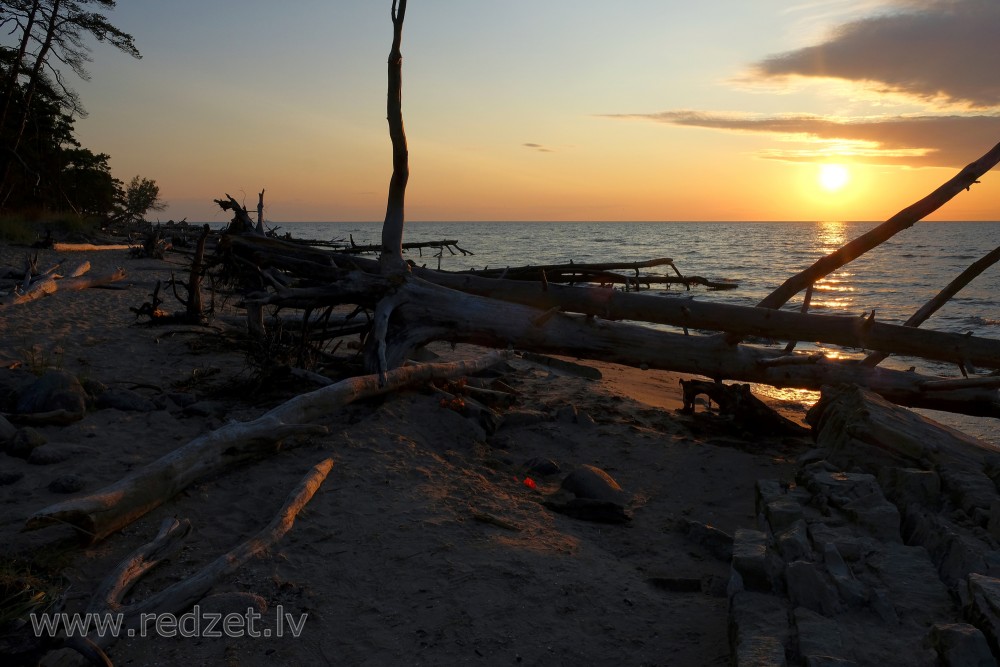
x: 833, y: 177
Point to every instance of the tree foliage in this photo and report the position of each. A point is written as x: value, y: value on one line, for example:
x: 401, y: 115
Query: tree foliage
x: 139, y: 197
x: 42, y: 165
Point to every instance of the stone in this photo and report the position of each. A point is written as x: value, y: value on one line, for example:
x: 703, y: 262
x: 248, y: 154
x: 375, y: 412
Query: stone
x: 983, y: 610
x: 7, y: 430
x: 541, y: 466
x: 880, y: 603
x: 24, y: 441
x: 969, y: 489
x: 70, y: 483
x: 12, y: 384
x: 877, y: 515
x: 961, y: 645
x: 851, y: 591
x: 717, y: 542
x: 54, y: 390
x: 768, y: 490
x: 182, y: 399
x: 522, y: 418
x: 793, y: 544
x: 852, y: 548
x: 912, y: 582
x: 125, y: 400
x: 93, y: 387
x: 756, y: 565
x: 809, y: 588
x: 818, y: 636
x: 781, y: 513
x: 47, y: 454
x: 840, y: 488
x: 912, y: 485
x: 8, y: 477
x: 758, y: 629
x: 591, y: 482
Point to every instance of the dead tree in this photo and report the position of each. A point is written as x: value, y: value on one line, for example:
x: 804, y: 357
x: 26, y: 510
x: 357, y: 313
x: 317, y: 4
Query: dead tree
x: 413, y: 306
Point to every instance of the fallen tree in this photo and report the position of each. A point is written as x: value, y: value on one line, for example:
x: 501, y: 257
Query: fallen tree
x: 411, y: 306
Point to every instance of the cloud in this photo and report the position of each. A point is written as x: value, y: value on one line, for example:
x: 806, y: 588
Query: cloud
x: 538, y: 147
x: 933, y: 50
x: 916, y: 141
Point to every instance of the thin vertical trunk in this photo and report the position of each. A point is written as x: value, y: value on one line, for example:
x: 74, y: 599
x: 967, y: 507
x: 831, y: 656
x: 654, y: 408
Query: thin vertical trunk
x: 10, y: 84
x: 392, y: 227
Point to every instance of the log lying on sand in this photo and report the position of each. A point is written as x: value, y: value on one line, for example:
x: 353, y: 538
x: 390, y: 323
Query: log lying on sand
x: 182, y: 595
x: 106, y: 510
x: 50, y: 285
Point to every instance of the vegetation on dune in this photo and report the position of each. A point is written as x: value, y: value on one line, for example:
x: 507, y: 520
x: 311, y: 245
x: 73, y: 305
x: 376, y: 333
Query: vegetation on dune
x: 45, y: 173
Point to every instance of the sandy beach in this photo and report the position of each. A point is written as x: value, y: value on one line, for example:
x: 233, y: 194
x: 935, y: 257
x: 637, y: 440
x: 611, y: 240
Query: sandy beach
x: 397, y: 559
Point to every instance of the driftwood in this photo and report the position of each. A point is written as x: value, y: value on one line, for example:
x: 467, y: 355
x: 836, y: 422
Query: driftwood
x: 182, y: 595
x: 50, y: 285
x: 106, y: 510
x: 602, y: 273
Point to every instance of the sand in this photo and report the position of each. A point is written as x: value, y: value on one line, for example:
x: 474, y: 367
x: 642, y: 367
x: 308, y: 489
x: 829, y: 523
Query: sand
x: 392, y: 560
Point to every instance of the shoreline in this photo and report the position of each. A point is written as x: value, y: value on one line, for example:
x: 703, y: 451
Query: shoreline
x: 425, y: 544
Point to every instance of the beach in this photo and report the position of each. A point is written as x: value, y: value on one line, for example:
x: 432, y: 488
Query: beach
x: 393, y: 560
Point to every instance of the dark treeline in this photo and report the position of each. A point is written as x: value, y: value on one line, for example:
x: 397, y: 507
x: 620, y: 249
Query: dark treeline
x: 43, y: 167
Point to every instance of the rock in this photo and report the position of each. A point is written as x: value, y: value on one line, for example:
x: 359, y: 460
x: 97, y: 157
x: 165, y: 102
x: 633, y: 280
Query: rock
x: 984, y: 607
x: 912, y: 581
x: 880, y: 603
x: 583, y: 418
x: 93, y: 387
x: 589, y: 509
x: 851, y: 591
x: 125, y: 400
x: 852, y: 548
x: 541, y: 466
x: 715, y: 541
x: 961, y: 645
x: 840, y: 488
x: 793, y: 544
x: 8, y: 477
x: 808, y: 587
x: 818, y: 636
x: 754, y: 562
x: 24, y: 441
x: 7, y: 430
x: 70, y: 483
x: 55, y: 390
x: 12, y: 384
x: 758, y: 629
x: 781, y: 513
x: 969, y: 489
x: 912, y: 485
x: 48, y: 454
x: 877, y: 515
x: 591, y: 482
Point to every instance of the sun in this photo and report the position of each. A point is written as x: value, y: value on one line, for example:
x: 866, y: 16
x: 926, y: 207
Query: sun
x: 834, y: 177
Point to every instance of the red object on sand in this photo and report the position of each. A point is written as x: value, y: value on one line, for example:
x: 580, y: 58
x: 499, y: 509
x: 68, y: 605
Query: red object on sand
x: 530, y: 483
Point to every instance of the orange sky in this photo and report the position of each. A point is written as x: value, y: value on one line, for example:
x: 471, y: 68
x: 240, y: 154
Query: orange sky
x: 647, y: 110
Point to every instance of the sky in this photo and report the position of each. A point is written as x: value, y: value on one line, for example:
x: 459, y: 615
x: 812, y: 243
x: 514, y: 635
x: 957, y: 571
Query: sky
x: 554, y: 109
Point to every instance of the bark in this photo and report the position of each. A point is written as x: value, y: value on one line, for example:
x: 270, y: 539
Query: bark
x: 392, y: 228
x: 424, y: 312
x: 260, y: 213
x: 104, y: 511
x: 905, y: 219
x: 49, y: 285
x: 182, y: 595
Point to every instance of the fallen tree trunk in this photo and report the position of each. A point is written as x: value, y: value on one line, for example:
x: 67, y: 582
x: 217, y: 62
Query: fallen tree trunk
x: 182, y: 595
x: 424, y: 312
x: 49, y: 285
x: 106, y: 510
x: 857, y: 332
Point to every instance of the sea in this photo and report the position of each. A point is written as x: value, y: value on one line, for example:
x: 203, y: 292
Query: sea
x: 893, y: 280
